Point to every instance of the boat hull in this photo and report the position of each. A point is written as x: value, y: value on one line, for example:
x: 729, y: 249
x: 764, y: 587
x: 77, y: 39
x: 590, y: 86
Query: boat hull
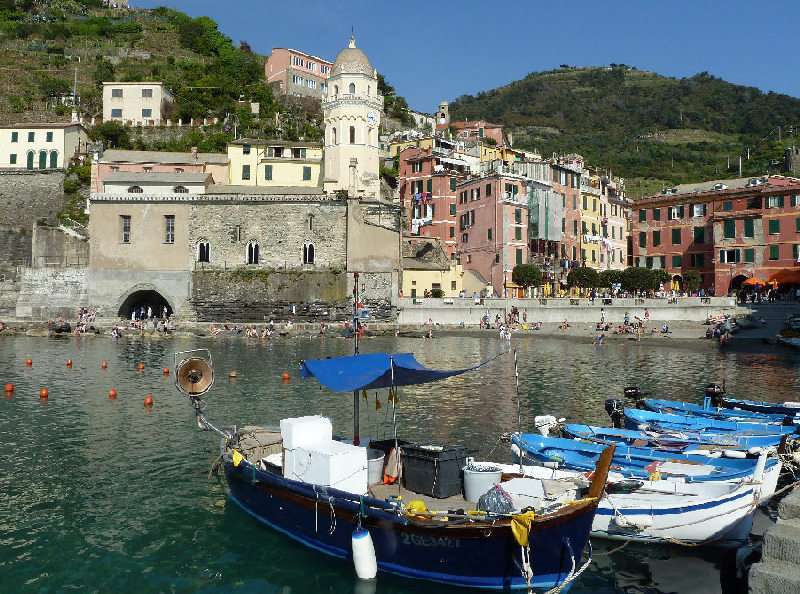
x: 446, y: 553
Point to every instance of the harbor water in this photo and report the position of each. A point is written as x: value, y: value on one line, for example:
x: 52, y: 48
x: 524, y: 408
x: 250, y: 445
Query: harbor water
x: 106, y: 496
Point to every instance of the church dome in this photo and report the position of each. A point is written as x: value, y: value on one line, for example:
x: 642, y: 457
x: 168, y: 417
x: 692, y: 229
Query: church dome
x: 351, y: 60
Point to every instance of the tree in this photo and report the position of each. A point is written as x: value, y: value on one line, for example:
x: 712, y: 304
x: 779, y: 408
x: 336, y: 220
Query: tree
x: 112, y: 134
x: 526, y: 275
x: 636, y: 279
x: 692, y: 280
x: 609, y: 278
x: 658, y: 276
x: 583, y: 277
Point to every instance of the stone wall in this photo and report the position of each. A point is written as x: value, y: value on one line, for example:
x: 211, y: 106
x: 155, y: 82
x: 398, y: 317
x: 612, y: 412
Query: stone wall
x: 48, y: 293
x: 58, y: 246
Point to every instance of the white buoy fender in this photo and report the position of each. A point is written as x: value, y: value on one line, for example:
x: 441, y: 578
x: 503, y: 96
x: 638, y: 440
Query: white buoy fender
x: 735, y: 454
x: 364, y: 558
x: 761, y: 464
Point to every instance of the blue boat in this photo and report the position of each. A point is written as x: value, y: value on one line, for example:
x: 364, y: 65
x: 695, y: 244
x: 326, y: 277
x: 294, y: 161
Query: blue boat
x: 634, y: 462
x: 673, y: 441
x: 720, y: 413
x: 787, y: 409
x: 645, y: 420
x: 484, y: 549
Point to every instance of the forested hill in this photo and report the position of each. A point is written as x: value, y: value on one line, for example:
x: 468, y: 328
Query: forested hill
x: 651, y: 129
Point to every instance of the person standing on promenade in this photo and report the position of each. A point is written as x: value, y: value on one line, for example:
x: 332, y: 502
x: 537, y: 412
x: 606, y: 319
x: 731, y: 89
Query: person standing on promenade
x: 602, y: 315
x: 646, y: 315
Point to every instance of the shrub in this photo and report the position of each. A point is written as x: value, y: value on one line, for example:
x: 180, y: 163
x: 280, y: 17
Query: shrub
x: 526, y: 275
x: 583, y: 277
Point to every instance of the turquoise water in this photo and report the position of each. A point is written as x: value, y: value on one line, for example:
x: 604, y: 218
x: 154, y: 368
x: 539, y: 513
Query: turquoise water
x: 102, y: 496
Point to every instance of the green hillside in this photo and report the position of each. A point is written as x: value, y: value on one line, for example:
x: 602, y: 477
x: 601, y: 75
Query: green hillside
x: 652, y: 130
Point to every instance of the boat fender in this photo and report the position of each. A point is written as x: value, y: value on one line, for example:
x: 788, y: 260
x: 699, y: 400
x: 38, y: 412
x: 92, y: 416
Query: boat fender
x: 699, y: 452
x: 364, y: 560
x: 755, y: 451
x: 643, y: 427
x: 735, y: 454
x: 553, y: 464
x: 637, y: 522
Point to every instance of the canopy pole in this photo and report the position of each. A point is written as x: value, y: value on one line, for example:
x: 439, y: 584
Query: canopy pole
x: 519, y: 407
x: 356, y: 432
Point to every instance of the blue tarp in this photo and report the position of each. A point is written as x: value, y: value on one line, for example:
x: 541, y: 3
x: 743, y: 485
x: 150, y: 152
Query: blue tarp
x: 373, y: 370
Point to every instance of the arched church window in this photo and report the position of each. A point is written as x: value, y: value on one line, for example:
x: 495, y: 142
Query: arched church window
x: 203, y: 251
x: 135, y: 190
x: 180, y: 190
x: 252, y: 252
x: 352, y: 88
x: 308, y: 253
x: 311, y: 222
x: 352, y: 134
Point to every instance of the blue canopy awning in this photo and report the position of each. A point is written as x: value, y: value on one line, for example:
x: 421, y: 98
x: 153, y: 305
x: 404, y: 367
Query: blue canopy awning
x: 373, y: 370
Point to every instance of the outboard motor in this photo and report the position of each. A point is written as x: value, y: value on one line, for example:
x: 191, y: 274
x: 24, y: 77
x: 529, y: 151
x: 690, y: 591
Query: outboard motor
x: 616, y: 410
x: 545, y: 424
x: 714, y: 393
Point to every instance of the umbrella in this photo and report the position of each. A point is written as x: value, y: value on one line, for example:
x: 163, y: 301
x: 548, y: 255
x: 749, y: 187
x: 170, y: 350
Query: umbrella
x: 787, y: 276
x: 753, y: 281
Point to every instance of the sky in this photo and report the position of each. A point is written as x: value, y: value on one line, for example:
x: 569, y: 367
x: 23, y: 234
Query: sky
x: 433, y: 51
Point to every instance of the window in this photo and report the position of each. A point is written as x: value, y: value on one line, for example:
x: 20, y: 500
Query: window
x: 275, y: 152
x: 642, y: 239
x: 29, y: 163
x: 563, y: 225
x: 48, y: 137
x: 519, y: 256
x: 180, y: 190
x: 169, y: 228
x: 246, y: 149
x: 729, y: 229
x: 125, y: 228
x: 698, y: 210
x: 333, y: 137
x: 178, y: 170
x: 797, y: 225
x: 477, y: 193
x: 656, y: 238
x: 245, y: 172
x: 252, y: 252
x: 135, y: 190
x: 429, y: 185
x: 31, y: 136
x: 497, y: 258
x: 488, y: 189
x: 518, y: 216
x: 268, y: 172
x: 42, y: 159
x: 642, y: 215
x: 796, y: 200
x: 729, y: 256
x: 795, y: 252
x: 116, y: 93
x: 656, y: 214
x: 699, y: 234
x: 453, y: 209
x: 147, y: 113
x: 352, y: 88
x: 489, y: 234
x: 775, y: 202
x: 517, y: 233
x: 452, y: 184
x: 15, y: 137
x: 352, y: 134
x: 116, y: 113
x: 452, y: 232
x: 12, y: 159
x: 585, y: 206
x: 594, y: 256
x: 147, y: 93
x: 748, y: 228
x: 574, y: 227
x: 594, y: 229
x: 613, y: 233
x: 416, y: 167
x: 774, y: 252
x: 675, y: 212
x: 754, y: 202
x: 727, y: 205
x: 774, y: 226
x: 306, y: 173
x: 676, y: 237
x: 677, y: 261
x: 584, y: 227
x: 697, y: 260
x: 749, y: 255
x: 308, y: 253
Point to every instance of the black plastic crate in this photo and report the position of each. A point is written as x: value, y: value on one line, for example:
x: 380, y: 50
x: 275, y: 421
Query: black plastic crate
x: 386, y: 445
x: 433, y: 472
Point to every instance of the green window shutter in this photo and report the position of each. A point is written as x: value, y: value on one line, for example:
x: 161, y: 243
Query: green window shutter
x: 699, y: 234
x: 748, y: 228
x: 797, y: 225
x: 774, y: 226
x: 15, y: 137
x: 749, y: 255
x: 519, y: 257
x: 13, y: 160
x: 306, y: 173
x: 780, y: 201
x: 774, y: 252
x: 452, y: 184
x: 453, y: 209
x: 268, y: 172
x: 729, y: 228
x: 676, y: 236
x: 517, y: 233
x: 49, y: 137
x: 642, y: 239
x: 656, y: 238
x: 727, y: 205
x: 489, y: 234
x: 795, y: 251
x: 656, y: 214
x: 677, y: 261
x: 430, y: 186
x: 517, y: 216
x: 680, y: 211
x: 245, y: 171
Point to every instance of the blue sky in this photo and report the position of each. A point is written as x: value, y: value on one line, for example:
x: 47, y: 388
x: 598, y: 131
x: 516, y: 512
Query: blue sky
x: 439, y: 50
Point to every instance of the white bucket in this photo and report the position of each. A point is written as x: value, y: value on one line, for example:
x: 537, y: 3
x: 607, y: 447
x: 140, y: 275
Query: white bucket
x: 375, y: 466
x: 476, y: 483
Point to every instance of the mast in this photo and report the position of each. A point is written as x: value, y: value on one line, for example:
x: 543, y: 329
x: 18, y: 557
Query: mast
x: 356, y: 436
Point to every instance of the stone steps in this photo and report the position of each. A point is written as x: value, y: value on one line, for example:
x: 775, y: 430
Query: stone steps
x: 255, y: 312
x: 779, y: 569
x: 774, y: 577
x: 782, y: 542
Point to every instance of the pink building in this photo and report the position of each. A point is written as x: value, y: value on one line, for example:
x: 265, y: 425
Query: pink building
x: 113, y: 161
x: 492, y: 230
x: 297, y: 73
x: 478, y: 130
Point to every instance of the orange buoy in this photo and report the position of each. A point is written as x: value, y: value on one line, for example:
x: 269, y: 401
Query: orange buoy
x: 29, y: 362
x: 112, y: 394
x: 148, y: 400
x: 140, y: 366
x: 69, y: 362
x: 103, y: 364
x: 44, y: 393
x: 285, y: 376
x: 165, y: 371
x: 9, y: 388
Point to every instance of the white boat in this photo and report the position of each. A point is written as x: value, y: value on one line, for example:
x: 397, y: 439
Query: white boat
x: 669, y: 511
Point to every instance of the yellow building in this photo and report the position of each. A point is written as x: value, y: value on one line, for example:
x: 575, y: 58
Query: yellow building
x: 591, y: 238
x: 398, y: 146
x: 426, y: 268
x: 277, y: 163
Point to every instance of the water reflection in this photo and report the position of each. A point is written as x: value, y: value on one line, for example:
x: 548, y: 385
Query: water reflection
x: 127, y: 493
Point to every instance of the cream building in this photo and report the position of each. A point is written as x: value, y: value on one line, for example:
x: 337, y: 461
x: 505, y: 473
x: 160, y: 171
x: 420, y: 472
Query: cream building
x: 41, y: 146
x: 135, y: 103
x: 130, y: 182
x: 352, y: 110
x: 275, y: 163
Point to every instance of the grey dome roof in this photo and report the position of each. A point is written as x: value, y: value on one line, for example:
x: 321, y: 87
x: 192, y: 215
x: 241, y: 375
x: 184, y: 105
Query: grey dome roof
x: 351, y: 60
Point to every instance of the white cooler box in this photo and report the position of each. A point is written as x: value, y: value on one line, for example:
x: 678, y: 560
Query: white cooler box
x: 332, y: 464
x: 305, y: 432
